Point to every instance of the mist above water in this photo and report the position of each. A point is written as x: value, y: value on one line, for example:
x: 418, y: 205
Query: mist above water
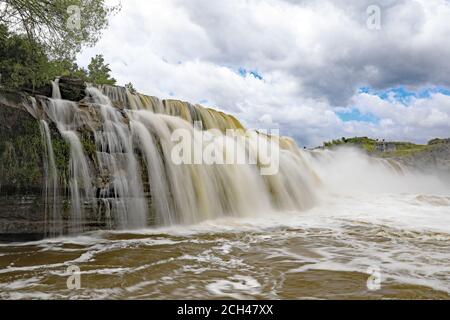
x: 350, y: 170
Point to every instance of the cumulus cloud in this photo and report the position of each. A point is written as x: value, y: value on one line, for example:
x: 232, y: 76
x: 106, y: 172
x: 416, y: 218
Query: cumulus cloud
x: 420, y: 119
x: 306, y: 59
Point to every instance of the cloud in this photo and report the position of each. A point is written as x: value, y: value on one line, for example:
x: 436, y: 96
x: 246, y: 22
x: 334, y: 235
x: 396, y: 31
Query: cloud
x: 420, y: 120
x: 292, y: 64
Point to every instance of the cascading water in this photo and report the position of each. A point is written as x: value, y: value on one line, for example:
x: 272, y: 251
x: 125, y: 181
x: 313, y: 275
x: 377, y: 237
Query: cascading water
x: 194, y: 192
x: 138, y: 184
x: 51, y: 182
x: 51, y: 185
x: 136, y: 181
x: 109, y: 164
x: 115, y: 155
x: 56, y: 92
x: 68, y: 118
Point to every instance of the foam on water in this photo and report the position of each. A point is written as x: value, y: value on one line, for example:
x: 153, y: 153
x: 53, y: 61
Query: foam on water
x: 406, y: 235
x: 236, y: 287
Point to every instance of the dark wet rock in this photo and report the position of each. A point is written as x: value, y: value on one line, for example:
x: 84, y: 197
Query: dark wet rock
x: 20, y: 147
x: 72, y: 89
x: 23, y: 204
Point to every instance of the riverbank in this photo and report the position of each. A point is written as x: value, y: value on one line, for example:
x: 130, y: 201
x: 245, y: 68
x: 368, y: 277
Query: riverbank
x: 431, y: 157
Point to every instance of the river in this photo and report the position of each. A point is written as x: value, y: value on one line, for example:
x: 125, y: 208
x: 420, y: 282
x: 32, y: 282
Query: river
x: 328, y: 252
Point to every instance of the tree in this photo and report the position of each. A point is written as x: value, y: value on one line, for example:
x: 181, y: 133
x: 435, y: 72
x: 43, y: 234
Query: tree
x: 21, y: 68
x: 130, y: 88
x: 60, y: 27
x: 40, y: 38
x: 99, y: 71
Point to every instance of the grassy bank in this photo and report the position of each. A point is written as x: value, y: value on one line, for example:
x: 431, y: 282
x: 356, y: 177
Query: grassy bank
x: 387, y: 149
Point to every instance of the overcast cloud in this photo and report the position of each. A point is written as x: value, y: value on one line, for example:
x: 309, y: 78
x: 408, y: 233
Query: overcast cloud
x: 294, y: 65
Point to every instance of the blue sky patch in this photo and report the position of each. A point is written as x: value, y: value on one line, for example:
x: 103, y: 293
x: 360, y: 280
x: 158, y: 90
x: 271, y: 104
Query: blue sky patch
x: 244, y: 72
x: 403, y: 95
x: 355, y: 115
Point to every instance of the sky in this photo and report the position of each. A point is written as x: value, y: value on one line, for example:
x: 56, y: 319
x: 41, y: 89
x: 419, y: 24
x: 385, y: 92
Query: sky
x: 316, y: 70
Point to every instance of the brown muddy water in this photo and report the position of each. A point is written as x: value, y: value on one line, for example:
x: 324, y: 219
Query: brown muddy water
x: 329, y: 252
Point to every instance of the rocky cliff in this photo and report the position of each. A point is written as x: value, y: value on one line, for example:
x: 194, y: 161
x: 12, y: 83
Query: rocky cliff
x: 431, y: 157
x: 23, y: 201
x: 21, y: 169
x: 68, y: 160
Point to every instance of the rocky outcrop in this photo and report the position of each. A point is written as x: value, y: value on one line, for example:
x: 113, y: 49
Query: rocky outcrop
x: 435, y: 157
x: 22, y: 206
x: 20, y: 147
x: 72, y: 89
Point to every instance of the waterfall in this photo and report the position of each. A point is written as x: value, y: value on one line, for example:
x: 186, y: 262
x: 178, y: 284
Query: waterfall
x: 115, y: 155
x: 211, y: 119
x: 121, y: 170
x: 51, y: 183
x: 68, y: 118
x: 56, y: 92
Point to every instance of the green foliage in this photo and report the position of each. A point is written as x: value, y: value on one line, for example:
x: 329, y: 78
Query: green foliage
x: 404, y: 149
x: 61, y: 151
x: 20, y: 151
x: 24, y: 64
x: 364, y: 142
x: 401, y: 149
x: 88, y: 143
x: 99, y: 71
x: 131, y: 88
x: 21, y: 145
x: 17, y: 65
x: 61, y: 27
x: 39, y: 40
x: 405, y: 152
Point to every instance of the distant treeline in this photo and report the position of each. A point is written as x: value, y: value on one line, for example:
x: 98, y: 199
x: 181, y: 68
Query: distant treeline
x: 388, y: 148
